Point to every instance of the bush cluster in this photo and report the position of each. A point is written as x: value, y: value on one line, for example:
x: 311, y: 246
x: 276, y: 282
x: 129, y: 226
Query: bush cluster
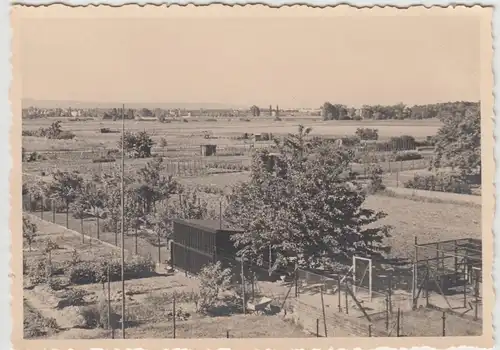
x: 367, y: 133
x: 408, y: 156
x: 86, y: 272
x: 441, y: 182
x: 104, y: 160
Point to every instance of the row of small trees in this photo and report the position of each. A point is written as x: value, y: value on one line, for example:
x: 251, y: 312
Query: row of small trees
x: 146, y: 197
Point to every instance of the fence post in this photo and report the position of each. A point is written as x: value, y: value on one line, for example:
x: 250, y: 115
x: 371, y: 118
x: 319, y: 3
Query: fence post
x: 340, y: 292
x: 317, y: 327
x: 444, y: 323
x: 323, y: 310
x: 398, y: 320
x: 53, y: 210
x: 369, y: 330
x: 97, y: 226
x: 174, y: 314
x: 81, y: 228
x: 346, y: 301
x: 41, y: 207
x: 386, y: 313
x: 243, y: 286
x: 30, y: 206
x: 227, y: 334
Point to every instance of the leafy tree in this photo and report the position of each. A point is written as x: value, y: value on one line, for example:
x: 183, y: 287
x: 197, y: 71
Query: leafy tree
x: 66, y: 186
x: 458, y: 142
x: 255, y: 111
x: 213, y: 280
x: 307, y: 207
x: 90, y: 201
x: 151, y: 186
x: 137, y: 145
x: 29, y: 231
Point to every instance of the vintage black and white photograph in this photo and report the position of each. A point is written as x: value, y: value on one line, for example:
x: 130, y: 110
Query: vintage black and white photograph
x: 252, y: 177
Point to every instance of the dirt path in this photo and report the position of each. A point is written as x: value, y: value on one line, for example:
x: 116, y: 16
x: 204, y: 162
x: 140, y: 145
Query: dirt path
x: 46, y: 311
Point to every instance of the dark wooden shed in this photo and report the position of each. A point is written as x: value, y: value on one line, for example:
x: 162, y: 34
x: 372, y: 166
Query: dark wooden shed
x: 196, y: 243
x: 208, y: 150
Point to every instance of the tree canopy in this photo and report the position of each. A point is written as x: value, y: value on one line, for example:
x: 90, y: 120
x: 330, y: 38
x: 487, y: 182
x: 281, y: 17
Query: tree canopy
x: 306, y: 206
x: 458, y: 141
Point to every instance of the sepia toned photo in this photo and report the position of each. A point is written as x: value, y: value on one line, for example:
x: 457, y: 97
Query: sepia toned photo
x: 186, y: 173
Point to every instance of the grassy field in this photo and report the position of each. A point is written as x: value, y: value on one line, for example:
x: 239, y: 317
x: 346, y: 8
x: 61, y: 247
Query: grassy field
x: 224, y: 131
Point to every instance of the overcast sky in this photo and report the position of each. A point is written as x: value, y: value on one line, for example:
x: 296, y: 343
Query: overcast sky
x: 292, y: 62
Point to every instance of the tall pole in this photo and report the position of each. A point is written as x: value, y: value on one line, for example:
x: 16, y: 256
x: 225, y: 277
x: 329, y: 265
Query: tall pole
x: 122, y: 222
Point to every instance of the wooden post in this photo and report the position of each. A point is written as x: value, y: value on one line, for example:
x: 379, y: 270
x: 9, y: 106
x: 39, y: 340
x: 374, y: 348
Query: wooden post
x: 174, y: 314
x: 53, y: 210
x: 30, y: 207
x: 98, y: 226
x: 398, y: 325
x: 465, y: 282
x: 340, y: 292
x: 243, y: 286
x: 390, y: 291
x: 110, y: 325
x: 323, y: 310
x: 317, y: 327
x: 159, y: 247
x: 386, y: 313
x: 227, y: 334
x: 346, y: 302
x: 41, y: 207
x: 369, y: 330
x: 444, y: 323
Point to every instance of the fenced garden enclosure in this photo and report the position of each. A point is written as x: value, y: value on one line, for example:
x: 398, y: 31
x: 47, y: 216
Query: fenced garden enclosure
x: 442, y: 284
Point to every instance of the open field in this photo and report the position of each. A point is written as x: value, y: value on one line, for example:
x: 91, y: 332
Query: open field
x: 224, y: 132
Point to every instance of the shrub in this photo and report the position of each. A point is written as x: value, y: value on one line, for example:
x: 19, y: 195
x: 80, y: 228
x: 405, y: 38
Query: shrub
x: 71, y: 298
x: 408, y: 156
x: 86, y: 272
x: 104, y: 160
x: 440, y: 182
x: 38, y: 270
x: 213, y: 280
x: 367, y: 133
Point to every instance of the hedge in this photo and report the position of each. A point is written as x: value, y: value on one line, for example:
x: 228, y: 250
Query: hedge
x: 408, y: 156
x: 440, y: 182
x: 95, y: 271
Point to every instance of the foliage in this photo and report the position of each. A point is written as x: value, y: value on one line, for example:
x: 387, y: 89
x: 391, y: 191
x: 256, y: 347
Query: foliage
x: 54, y: 131
x: 137, y: 144
x: 65, y: 186
x: 401, y: 111
x: 255, y: 111
x: 96, y: 271
x: 441, y: 182
x: 402, y: 156
x: 458, y: 142
x: 213, y: 280
x: 334, y: 112
x: 29, y: 231
x: 306, y: 206
x: 367, y: 133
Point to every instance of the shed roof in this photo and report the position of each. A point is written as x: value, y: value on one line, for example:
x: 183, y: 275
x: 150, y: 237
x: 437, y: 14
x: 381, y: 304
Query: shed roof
x: 213, y: 226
